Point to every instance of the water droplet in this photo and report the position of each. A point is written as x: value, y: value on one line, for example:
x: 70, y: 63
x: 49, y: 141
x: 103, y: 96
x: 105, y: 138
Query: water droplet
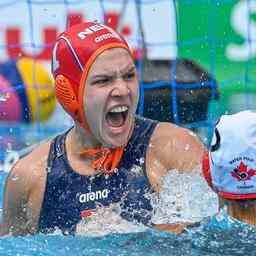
x: 14, y: 178
x: 65, y: 232
x: 4, y: 96
x: 187, y: 147
x: 48, y: 169
x: 59, y: 154
x: 142, y: 160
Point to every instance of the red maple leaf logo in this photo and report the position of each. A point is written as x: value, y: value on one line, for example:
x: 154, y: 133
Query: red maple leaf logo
x: 242, y: 172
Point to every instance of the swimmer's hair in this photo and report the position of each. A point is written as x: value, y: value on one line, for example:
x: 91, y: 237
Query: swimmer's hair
x: 243, y: 203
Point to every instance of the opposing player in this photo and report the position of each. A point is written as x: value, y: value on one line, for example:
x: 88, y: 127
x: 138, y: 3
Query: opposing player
x: 230, y: 166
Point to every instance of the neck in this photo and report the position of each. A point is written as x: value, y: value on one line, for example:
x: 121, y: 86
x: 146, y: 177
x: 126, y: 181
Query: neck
x: 78, y: 139
x: 243, y: 210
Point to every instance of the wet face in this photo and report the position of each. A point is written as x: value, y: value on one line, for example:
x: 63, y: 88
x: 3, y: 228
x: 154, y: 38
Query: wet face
x: 111, y: 97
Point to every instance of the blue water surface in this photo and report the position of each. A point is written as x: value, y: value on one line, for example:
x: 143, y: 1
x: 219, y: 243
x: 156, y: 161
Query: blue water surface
x: 209, y: 239
x: 219, y: 235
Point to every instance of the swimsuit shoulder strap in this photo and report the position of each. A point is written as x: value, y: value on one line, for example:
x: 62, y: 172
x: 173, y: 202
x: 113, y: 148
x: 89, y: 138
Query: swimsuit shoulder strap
x: 57, y: 148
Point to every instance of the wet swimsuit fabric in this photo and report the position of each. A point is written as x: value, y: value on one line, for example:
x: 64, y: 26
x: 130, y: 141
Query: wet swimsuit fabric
x: 69, y: 195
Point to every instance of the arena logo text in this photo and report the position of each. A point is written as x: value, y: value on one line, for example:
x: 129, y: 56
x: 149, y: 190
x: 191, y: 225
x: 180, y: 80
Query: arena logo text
x: 92, y: 196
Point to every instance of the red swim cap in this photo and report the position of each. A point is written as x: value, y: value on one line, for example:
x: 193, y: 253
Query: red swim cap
x: 74, y: 52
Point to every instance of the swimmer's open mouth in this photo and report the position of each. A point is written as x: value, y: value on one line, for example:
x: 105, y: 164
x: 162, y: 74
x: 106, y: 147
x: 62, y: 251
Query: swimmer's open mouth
x: 117, y: 116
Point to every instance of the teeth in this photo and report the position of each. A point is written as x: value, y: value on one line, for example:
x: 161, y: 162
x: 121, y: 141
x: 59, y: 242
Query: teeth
x: 119, y: 109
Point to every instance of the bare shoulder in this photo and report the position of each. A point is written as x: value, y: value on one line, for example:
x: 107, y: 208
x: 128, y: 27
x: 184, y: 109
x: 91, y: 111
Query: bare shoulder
x: 173, y: 132
x: 24, y: 192
x: 176, y: 147
x: 32, y: 166
x: 36, y: 158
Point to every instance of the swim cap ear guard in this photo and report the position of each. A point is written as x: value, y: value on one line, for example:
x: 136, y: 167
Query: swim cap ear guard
x: 67, y: 97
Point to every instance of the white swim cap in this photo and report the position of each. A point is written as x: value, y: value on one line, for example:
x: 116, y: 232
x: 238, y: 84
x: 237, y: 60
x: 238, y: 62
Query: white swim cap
x: 230, y: 166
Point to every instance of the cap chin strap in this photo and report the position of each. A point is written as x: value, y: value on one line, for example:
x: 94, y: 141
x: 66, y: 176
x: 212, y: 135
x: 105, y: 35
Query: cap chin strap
x: 104, y: 159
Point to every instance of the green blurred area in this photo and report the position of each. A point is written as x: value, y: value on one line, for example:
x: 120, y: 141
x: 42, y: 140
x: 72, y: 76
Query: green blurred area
x: 206, y: 29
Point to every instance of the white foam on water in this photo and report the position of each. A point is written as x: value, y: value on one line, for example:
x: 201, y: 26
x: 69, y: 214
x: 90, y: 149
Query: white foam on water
x: 185, y: 197
x: 106, y: 221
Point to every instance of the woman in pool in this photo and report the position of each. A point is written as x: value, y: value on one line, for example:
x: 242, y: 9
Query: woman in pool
x: 110, y: 156
x: 230, y: 166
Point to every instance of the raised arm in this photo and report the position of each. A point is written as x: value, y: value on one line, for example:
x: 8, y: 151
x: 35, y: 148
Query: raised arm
x: 172, y: 147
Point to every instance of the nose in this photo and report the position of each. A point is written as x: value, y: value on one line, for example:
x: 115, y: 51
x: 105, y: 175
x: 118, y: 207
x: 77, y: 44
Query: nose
x: 120, y: 88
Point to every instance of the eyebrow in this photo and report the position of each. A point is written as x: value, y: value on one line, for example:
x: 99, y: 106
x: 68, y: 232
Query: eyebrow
x: 126, y: 70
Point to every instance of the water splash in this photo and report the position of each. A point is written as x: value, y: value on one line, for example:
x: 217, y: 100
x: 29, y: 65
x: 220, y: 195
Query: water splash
x: 4, y: 96
x: 224, y: 235
x: 184, y: 197
x: 106, y: 221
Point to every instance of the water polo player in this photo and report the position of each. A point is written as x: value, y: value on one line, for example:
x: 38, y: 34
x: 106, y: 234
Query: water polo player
x: 110, y: 156
x: 230, y: 166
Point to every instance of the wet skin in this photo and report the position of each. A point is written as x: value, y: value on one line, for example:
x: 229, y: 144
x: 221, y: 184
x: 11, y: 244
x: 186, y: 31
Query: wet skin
x: 112, y: 80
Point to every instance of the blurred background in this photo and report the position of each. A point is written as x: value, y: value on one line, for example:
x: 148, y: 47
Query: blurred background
x: 196, y: 60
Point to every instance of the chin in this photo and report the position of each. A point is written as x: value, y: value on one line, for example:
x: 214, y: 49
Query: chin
x: 113, y: 140
x: 116, y: 137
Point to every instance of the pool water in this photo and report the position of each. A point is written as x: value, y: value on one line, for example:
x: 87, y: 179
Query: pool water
x: 210, y: 238
x: 218, y: 235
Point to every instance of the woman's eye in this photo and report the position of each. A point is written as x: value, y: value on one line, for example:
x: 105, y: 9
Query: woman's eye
x: 101, y: 81
x: 129, y: 76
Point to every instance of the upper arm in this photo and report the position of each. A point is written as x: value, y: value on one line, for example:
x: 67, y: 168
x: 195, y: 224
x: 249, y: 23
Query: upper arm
x: 15, y: 200
x: 177, y: 148
x: 172, y: 147
x: 23, y: 195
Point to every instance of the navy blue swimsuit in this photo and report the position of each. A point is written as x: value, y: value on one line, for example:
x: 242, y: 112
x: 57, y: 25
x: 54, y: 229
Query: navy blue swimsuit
x: 69, y: 195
